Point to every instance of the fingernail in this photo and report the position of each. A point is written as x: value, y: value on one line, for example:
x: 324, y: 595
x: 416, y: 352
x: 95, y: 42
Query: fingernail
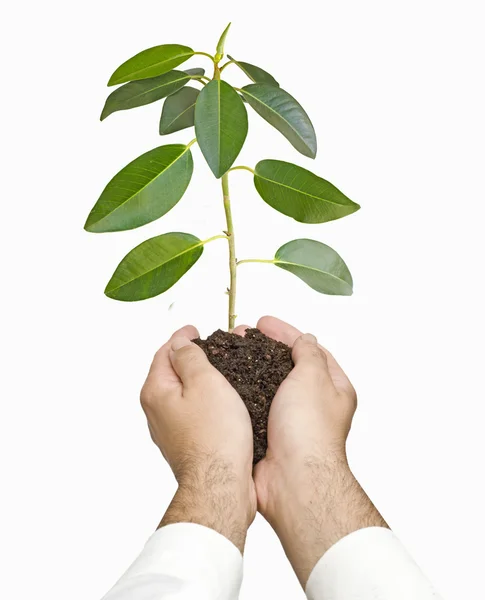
x: 308, y: 337
x: 180, y: 342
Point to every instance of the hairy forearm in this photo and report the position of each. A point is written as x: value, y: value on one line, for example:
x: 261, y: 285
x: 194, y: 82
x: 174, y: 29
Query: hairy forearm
x: 211, y: 495
x: 326, y: 505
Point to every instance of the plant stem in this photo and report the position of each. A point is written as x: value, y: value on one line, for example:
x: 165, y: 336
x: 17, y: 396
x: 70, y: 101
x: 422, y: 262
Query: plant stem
x: 242, y: 167
x: 217, y: 71
x: 231, y: 290
x: 255, y: 260
x: 232, y: 253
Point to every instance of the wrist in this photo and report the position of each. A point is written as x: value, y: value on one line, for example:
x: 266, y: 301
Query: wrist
x: 214, y: 496
x: 294, y: 485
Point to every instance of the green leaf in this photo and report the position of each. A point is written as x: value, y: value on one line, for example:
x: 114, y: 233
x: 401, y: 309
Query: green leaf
x: 151, y: 62
x: 154, y: 266
x: 139, y: 93
x: 254, y: 73
x: 144, y: 190
x: 178, y: 111
x: 221, y: 43
x: 300, y: 194
x: 283, y: 112
x: 221, y: 125
x: 318, y: 265
x: 195, y: 71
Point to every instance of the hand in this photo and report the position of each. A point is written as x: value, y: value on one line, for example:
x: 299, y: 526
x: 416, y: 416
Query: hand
x: 203, y: 429
x: 304, y: 486
x: 311, y: 413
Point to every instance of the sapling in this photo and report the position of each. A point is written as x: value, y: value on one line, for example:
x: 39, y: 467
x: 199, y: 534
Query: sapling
x: 152, y: 184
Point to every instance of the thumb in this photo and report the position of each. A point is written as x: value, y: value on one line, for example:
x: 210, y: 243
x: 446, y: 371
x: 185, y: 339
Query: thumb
x: 310, y: 360
x: 188, y: 360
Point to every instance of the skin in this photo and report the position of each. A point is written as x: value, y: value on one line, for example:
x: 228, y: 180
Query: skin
x: 303, y: 487
x: 203, y: 430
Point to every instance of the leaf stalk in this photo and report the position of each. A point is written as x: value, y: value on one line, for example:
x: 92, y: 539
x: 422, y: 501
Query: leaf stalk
x: 214, y: 237
x: 202, y: 78
x: 229, y: 62
x: 241, y: 167
x: 256, y: 260
x: 205, y: 54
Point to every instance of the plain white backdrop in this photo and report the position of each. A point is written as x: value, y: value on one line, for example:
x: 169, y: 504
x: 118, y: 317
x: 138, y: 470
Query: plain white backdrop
x: 395, y: 92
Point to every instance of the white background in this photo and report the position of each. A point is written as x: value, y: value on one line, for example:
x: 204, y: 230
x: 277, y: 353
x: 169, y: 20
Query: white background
x: 395, y: 91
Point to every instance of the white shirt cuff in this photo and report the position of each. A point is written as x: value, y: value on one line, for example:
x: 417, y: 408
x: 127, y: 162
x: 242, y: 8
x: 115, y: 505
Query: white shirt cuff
x: 368, y: 564
x: 183, y: 561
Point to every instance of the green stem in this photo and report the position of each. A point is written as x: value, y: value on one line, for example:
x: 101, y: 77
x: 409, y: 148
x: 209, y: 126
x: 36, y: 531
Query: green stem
x: 201, y: 78
x: 214, y: 237
x: 232, y: 253
x: 191, y: 143
x: 256, y: 260
x: 217, y: 71
x: 229, y: 62
x: 205, y: 54
x: 241, y: 167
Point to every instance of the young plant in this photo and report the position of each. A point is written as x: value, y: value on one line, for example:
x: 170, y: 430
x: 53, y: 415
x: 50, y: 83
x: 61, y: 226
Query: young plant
x: 152, y: 184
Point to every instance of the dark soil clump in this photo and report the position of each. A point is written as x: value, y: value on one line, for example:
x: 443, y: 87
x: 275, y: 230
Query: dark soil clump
x: 255, y: 365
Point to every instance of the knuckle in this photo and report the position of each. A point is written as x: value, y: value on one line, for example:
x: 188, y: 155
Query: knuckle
x: 150, y: 395
x: 147, y: 398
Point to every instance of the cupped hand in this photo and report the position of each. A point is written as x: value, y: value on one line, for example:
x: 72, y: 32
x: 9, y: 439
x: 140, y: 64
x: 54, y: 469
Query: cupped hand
x: 310, y: 416
x: 305, y: 474
x: 203, y: 430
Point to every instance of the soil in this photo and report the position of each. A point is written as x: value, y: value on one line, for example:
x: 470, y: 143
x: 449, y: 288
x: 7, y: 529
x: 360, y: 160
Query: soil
x: 255, y: 365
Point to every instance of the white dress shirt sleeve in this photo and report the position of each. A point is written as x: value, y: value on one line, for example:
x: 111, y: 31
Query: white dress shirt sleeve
x: 184, y: 561
x: 369, y: 564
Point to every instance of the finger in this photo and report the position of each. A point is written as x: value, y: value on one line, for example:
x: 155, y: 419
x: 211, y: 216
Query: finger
x: 286, y: 333
x: 278, y: 330
x: 188, y: 330
x: 310, y: 360
x: 341, y: 381
x: 241, y: 330
x: 161, y: 367
x: 339, y: 378
x: 188, y: 360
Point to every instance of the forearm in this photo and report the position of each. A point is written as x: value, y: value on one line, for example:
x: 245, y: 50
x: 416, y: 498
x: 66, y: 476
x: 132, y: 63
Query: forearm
x: 326, y: 504
x: 337, y: 542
